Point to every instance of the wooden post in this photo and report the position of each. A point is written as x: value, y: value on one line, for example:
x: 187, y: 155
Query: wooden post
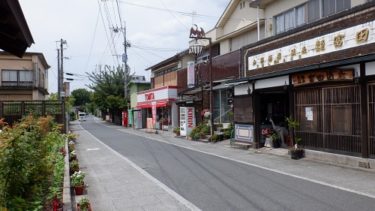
x: 257, y: 120
x: 291, y: 107
x: 364, y: 111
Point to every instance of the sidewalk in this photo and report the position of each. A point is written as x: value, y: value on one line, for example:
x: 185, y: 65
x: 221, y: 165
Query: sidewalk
x: 349, y: 179
x: 115, y: 183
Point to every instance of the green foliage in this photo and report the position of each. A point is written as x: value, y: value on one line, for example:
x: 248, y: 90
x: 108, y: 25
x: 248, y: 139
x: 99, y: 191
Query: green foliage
x: 215, y: 138
x: 30, y: 163
x: 77, y: 179
x: 292, y: 123
x: 81, y: 96
x: 84, y: 204
x: 72, y: 116
x: 275, y: 136
x: 71, y: 136
x: 228, y: 131
x: 200, y: 131
x: 52, y: 96
x: 177, y: 130
x: 108, y: 87
x: 74, y: 166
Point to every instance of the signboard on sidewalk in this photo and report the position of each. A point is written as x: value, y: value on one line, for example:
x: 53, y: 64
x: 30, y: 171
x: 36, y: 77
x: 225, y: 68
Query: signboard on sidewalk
x: 187, y: 120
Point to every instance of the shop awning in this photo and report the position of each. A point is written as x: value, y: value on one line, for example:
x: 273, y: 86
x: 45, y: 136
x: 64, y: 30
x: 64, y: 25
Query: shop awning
x: 220, y: 86
x: 159, y: 104
x: 195, y: 90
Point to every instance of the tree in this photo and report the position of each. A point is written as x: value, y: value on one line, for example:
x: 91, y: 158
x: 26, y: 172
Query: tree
x: 108, y: 87
x: 106, y: 83
x: 52, y: 96
x: 81, y: 96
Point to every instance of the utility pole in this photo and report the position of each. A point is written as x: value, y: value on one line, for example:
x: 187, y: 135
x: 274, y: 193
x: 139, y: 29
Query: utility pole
x: 124, y: 59
x: 58, y: 75
x: 60, y: 68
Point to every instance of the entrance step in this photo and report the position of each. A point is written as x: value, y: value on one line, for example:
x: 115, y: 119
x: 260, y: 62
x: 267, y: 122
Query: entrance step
x: 240, y: 145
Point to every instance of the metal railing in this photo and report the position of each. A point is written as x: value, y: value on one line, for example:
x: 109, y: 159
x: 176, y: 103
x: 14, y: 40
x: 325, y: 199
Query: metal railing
x: 14, y: 111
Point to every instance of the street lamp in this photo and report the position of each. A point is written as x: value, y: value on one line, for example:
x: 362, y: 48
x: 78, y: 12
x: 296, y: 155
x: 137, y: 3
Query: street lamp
x: 196, y: 48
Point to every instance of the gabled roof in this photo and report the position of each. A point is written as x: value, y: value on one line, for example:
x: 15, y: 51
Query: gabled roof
x: 15, y: 35
x: 231, y: 7
x: 169, y: 60
x: 227, y: 13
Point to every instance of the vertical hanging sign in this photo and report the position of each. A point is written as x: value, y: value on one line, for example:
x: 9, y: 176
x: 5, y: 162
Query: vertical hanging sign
x: 153, y: 113
x: 190, y: 74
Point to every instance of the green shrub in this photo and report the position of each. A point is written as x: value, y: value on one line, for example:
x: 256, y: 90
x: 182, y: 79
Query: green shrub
x: 228, y: 132
x: 215, y: 138
x: 205, y: 129
x: 176, y: 130
x: 31, y: 163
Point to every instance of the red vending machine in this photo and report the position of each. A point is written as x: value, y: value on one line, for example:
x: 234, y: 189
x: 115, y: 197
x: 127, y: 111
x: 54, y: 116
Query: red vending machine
x: 124, y: 118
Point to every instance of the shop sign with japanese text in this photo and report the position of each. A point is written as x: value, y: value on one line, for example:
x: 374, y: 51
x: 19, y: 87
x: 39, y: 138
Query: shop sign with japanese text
x: 321, y: 76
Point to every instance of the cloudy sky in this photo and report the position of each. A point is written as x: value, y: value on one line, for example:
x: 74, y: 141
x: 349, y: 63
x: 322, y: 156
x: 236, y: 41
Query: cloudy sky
x: 156, y: 29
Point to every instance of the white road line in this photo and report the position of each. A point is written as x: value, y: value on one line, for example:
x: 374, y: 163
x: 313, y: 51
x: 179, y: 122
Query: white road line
x: 261, y: 167
x: 171, y: 192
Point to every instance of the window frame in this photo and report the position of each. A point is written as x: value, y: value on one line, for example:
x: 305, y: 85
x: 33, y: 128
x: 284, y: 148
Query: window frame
x: 17, y: 81
x: 295, y: 18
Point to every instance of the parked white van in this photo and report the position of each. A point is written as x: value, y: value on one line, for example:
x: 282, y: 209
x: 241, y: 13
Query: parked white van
x: 81, y: 116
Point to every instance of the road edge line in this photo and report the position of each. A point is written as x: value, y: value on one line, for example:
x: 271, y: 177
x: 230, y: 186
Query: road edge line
x: 262, y: 167
x: 171, y: 192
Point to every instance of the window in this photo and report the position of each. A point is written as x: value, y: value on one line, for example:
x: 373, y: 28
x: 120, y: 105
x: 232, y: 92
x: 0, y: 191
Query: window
x: 328, y: 7
x: 313, y: 10
x: 322, y: 8
x: 25, y: 75
x: 9, y: 75
x: 279, y: 24
x: 290, y: 19
x: 300, y: 15
x: 17, y: 77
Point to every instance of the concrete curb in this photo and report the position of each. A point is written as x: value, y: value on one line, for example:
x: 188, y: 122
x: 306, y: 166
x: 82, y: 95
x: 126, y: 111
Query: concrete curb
x: 341, y: 160
x: 67, y: 197
x: 346, y: 161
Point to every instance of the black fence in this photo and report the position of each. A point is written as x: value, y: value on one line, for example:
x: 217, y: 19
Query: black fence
x: 14, y: 111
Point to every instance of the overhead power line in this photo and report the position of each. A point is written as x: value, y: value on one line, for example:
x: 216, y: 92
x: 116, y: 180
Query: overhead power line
x: 155, y: 48
x: 190, y: 14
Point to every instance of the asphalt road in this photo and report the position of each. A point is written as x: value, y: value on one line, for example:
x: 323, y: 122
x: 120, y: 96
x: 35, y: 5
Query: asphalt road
x: 213, y: 183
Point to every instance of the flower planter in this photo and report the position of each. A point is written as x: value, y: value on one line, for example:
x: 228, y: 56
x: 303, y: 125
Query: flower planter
x: 79, y: 190
x: 56, y: 204
x: 80, y: 209
x: 297, y: 154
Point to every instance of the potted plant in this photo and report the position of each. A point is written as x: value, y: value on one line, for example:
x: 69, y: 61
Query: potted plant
x: 77, y: 181
x: 72, y: 155
x: 84, y: 204
x: 296, y: 152
x: 177, y: 131
x: 276, y: 141
x: 74, y: 166
x: 71, y: 136
x: 266, y: 133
